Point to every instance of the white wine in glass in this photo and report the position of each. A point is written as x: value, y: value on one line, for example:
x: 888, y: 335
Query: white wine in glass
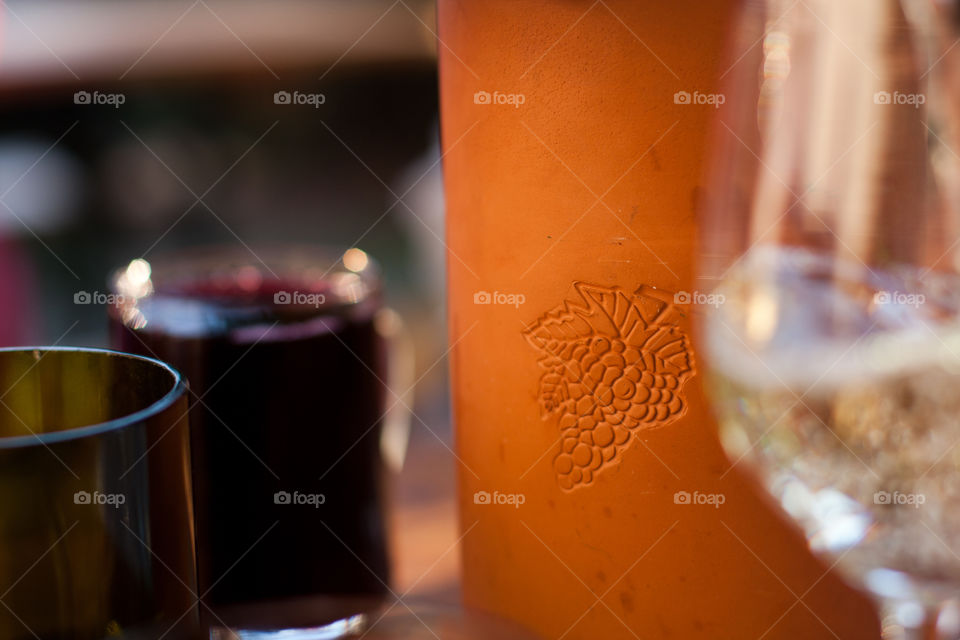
x: 831, y: 333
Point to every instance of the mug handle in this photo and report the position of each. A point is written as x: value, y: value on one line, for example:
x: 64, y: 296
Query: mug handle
x: 400, y: 382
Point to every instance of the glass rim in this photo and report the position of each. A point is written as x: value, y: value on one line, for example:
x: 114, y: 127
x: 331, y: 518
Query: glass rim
x: 201, y: 290
x: 177, y: 389
x: 195, y: 259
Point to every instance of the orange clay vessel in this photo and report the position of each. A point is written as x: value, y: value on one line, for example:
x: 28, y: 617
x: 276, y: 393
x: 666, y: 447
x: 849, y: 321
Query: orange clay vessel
x: 572, y: 167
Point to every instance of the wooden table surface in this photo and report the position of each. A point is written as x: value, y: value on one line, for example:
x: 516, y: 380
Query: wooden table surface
x: 423, y: 521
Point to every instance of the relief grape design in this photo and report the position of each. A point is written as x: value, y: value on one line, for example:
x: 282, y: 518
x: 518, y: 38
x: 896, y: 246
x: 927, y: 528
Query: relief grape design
x: 615, y: 363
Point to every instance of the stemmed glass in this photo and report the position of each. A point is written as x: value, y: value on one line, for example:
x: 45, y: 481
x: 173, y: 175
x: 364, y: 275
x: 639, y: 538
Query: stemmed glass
x: 830, y: 327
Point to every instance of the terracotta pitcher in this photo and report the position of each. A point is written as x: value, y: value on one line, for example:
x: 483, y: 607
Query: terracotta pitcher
x: 596, y: 502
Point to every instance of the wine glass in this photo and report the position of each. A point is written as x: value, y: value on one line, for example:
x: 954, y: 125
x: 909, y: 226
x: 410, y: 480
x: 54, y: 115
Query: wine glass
x: 830, y: 317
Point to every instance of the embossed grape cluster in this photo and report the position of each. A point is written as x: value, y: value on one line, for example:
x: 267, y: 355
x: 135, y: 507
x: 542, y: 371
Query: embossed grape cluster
x: 605, y: 390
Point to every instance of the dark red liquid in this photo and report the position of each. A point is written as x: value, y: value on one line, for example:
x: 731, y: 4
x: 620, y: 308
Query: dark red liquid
x: 287, y: 407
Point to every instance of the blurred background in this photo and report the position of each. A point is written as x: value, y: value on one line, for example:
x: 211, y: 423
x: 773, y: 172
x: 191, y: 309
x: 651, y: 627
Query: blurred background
x: 134, y: 128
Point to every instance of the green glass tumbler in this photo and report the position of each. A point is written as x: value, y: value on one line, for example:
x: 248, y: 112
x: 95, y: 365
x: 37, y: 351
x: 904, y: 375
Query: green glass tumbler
x: 96, y: 533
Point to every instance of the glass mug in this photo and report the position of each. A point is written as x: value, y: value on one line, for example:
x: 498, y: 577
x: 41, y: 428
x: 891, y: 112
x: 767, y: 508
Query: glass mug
x: 286, y: 358
x: 595, y: 498
x: 96, y: 537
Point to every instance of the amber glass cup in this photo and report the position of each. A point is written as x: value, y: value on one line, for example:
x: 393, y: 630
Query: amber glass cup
x: 96, y: 536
